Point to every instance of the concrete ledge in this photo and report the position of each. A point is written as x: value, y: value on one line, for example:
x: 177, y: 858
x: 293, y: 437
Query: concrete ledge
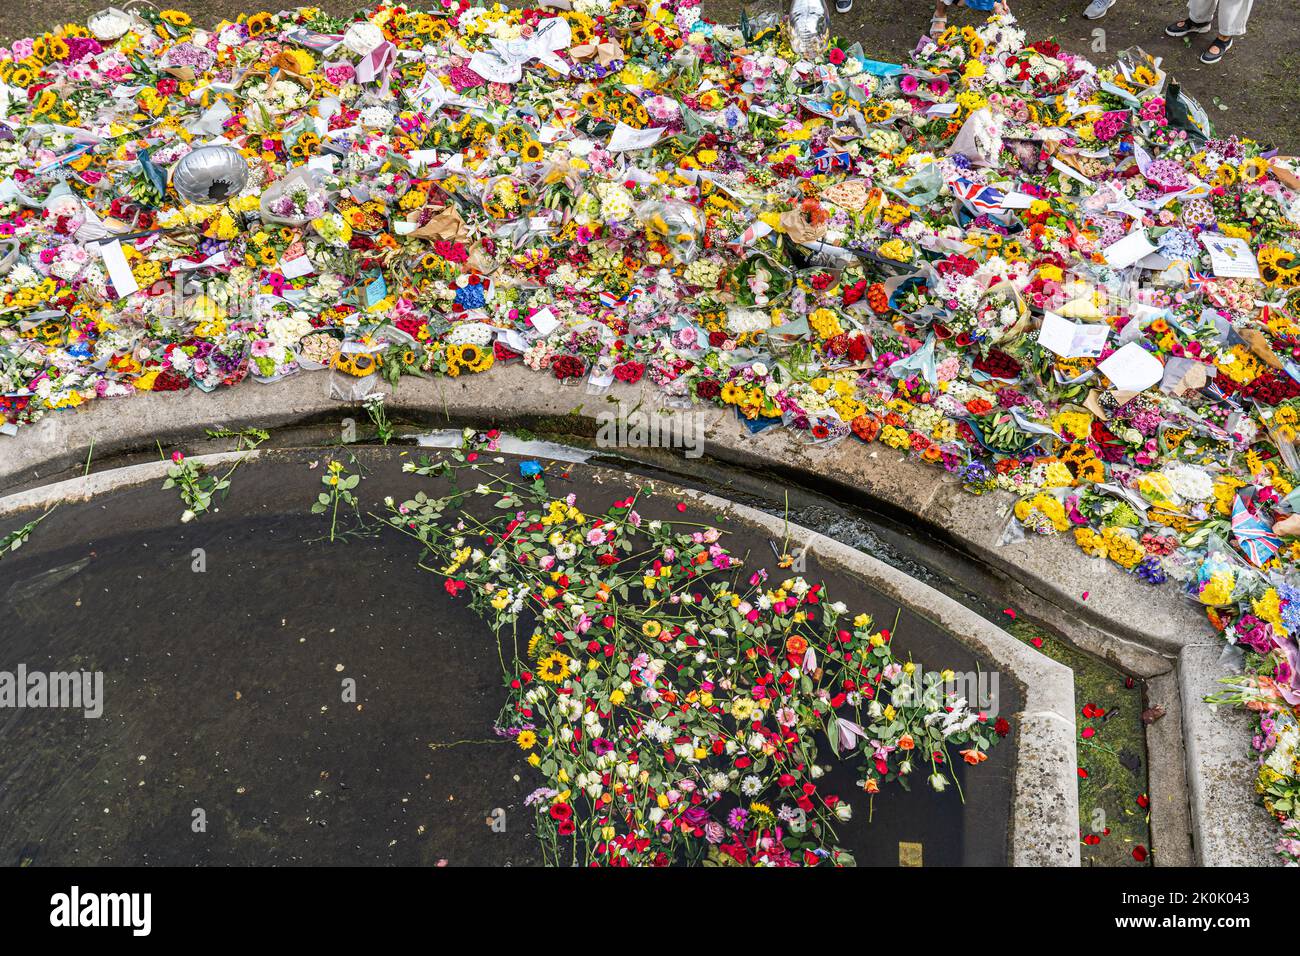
x: 1051, y: 568
x: 1228, y: 826
x: 72, y: 490
x: 1045, y: 810
x: 1169, y: 814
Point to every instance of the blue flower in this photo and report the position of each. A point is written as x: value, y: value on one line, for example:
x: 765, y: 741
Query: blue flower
x: 530, y: 468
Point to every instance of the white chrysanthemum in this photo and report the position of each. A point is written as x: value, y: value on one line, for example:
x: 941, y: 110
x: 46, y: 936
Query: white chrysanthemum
x: 471, y: 333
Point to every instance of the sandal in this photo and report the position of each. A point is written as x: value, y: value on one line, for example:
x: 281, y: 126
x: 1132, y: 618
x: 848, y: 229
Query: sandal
x: 937, y: 26
x: 1214, y: 52
x: 1185, y: 26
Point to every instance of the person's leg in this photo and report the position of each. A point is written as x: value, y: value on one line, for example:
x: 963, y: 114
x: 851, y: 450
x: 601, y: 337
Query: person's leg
x: 1097, y: 9
x: 1199, y: 15
x: 939, y: 22
x: 1233, y: 15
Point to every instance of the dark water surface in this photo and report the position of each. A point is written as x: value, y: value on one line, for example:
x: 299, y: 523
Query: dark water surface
x: 224, y: 691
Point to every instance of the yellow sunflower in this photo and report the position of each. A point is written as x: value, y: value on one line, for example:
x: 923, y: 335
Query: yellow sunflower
x: 1253, y: 169
x: 1225, y: 175
x: 258, y: 24
x: 553, y: 668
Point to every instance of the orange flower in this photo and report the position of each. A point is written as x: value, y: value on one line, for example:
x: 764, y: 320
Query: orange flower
x: 906, y: 742
x: 974, y: 756
x: 794, y: 644
x: 871, y: 786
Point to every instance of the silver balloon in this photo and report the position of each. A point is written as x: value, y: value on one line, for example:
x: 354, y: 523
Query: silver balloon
x: 210, y: 174
x: 809, y: 26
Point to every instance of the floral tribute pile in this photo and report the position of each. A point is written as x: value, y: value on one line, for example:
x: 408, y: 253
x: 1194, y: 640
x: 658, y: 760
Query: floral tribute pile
x: 676, y: 703
x: 1043, y: 275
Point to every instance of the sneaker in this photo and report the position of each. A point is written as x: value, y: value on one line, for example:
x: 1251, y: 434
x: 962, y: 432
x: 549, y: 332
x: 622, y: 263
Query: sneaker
x: 1183, y: 27
x: 843, y: 6
x: 1097, y: 9
x: 1214, y: 52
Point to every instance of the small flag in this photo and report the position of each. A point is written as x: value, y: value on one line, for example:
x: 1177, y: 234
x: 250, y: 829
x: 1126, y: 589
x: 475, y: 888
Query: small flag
x: 1255, y: 537
x: 978, y: 196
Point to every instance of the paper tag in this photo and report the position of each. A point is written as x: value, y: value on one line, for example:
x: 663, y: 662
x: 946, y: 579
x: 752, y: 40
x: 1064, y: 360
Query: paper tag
x: 1072, y: 339
x: 626, y: 138
x: 544, y: 321
x: 297, y: 268
x: 1134, y: 246
x: 1229, y: 257
x: 115, y: 262
x: 1132, y: 368
x: 1017, y: 201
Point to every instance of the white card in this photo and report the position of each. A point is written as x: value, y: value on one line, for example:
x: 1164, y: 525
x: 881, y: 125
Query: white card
x: 1130, y: 249
x: 1072, y: 339
x: 545, y: 321
x: 296, y: 268
x: 1230, y: 258
x: 115, y: 262
x: 423, y: 157
x: 1132, y: 368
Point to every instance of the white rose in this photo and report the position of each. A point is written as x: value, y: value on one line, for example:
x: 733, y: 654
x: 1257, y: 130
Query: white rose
x: 363, y: 38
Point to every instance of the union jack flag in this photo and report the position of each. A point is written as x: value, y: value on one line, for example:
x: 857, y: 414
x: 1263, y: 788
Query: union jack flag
x: 828, y: 159
x: 609, y: 300
x: 978, y: 196
x: 1198, y: 281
